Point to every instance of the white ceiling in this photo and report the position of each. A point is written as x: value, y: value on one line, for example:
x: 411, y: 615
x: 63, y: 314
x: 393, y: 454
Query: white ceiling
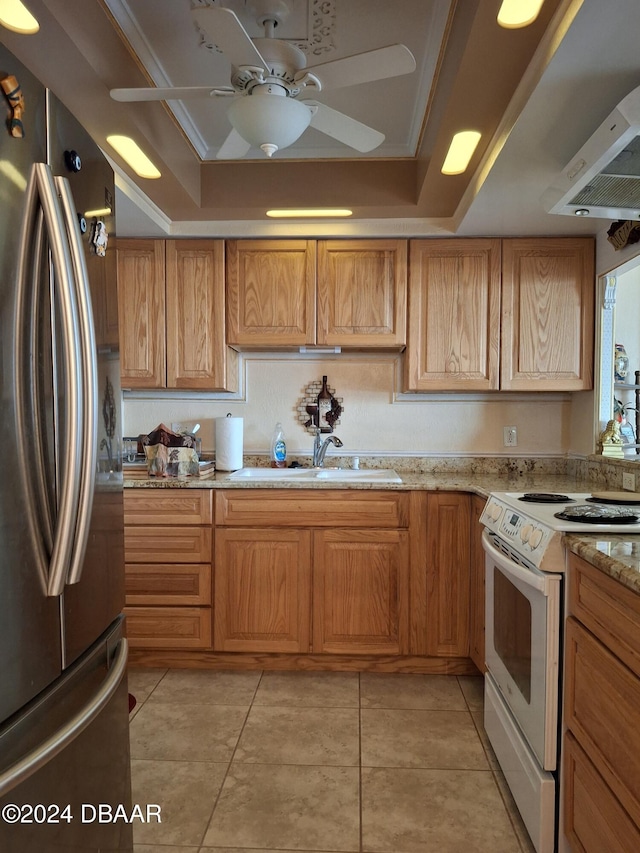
x: 540, y: 93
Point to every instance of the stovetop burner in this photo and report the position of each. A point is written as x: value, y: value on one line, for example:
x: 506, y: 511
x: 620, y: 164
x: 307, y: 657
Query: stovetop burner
x: 598, y: 514
x: 545, y: 498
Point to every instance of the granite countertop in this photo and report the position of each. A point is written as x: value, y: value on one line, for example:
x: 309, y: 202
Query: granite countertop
x: 614, y: 554
x: 480, y: 484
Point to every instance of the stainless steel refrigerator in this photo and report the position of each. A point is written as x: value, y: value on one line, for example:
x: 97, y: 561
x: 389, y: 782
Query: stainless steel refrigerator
x: 64, y: 740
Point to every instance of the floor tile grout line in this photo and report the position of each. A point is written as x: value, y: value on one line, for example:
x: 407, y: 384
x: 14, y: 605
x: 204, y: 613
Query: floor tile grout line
x: 226, y: 774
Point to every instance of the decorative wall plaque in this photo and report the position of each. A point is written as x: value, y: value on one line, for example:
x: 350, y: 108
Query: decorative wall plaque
x: 308, y: 405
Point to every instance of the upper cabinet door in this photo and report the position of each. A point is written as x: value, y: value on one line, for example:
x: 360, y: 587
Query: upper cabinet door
x: 141, y: 313
x: 547, y: 314
x: 362, y: 288
x: 271, y: 287
x: 197, y: 354
x: 454, y: 315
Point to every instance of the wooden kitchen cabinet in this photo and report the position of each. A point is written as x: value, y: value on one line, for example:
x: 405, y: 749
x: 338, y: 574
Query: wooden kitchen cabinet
x: 453, y: 340
x: 337, y: 560
x: 262, y: 590
x: 547, y: 314
x: 513, y: 314
x: 141, y: 313
x: 362, y: 287
x: 172, y: 315
x: 103, y: 282
x: 447, y: 574
x: 476, y: 585
x: 168, y: 568
x: 360, y: 591
x: 271, y: 286
x: 290, y: 293
x: 601, y: 742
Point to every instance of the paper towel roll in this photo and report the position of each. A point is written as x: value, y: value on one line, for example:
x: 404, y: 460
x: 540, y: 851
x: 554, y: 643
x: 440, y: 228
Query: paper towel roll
x: 229, y: 443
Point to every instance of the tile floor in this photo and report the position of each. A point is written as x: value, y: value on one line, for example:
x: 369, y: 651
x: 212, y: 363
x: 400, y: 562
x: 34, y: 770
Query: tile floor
x: 323, y: 762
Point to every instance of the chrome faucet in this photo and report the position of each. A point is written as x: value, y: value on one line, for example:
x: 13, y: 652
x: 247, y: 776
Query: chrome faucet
x: 320, y: 448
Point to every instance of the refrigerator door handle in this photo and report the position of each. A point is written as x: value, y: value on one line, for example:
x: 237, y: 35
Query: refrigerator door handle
x: 71, y: 354
x: 60, y: 739
x: 89, y: 414
x: 27, y: 415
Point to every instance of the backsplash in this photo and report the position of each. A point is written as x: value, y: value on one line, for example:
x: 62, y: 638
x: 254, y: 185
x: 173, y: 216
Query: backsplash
x: 378, y: 418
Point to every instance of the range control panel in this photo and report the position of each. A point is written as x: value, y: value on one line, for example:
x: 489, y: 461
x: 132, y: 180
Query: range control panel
x: 526, y: 535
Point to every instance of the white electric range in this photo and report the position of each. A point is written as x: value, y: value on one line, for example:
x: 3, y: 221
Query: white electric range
x: 524, y: 571
x: 529, y: 521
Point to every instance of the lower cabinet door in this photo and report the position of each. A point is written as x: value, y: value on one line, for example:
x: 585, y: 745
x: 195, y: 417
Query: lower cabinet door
x: 594, y: 820
x: 360, y: 591
x: 262, y: 590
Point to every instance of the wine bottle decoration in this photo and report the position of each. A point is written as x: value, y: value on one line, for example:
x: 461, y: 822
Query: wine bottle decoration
x: 329, y: 409
x: 308, y: 407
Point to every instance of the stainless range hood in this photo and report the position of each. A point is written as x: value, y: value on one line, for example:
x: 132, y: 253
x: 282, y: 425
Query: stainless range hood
x: 603, y: 179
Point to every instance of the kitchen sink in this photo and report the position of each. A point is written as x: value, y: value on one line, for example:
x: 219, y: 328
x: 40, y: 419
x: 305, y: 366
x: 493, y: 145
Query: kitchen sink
x: 336, y: 475
x: 269, y: 473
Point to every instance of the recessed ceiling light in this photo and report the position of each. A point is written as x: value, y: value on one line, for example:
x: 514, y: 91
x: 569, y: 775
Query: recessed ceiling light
x: 582, y: 211
x: 460, y: 152
x: 15, y: 16
x: 309, y: 213
x: 518, y: 13
x: 131, y: 152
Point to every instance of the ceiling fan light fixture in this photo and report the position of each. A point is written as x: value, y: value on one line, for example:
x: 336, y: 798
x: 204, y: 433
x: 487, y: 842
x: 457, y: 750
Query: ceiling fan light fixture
x: 16, y: 17
x: 460, y: 152
x: 267, y: 120
x: 514, y: 14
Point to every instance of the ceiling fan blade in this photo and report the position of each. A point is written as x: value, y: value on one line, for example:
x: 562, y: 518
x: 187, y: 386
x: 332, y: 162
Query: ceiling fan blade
x: 224, y: 29
x: 233, y: 148
x: 174, y: 93
x: 344, y: 128
x: 391, y: 61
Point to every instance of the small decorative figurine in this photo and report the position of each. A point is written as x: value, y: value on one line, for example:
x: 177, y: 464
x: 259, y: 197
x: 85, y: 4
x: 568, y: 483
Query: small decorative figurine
x: 13, y: 92
x: 620, y: 363
x: 611, y: 440
x: 99, y: 238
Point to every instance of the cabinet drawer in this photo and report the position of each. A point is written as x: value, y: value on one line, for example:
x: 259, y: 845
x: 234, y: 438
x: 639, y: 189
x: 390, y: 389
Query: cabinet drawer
x: 168, y: 506
x: 594, y: 820
x: 164, y: 583
x: 608, y: 609
x: 602, y: 698
x: 169, y: 627
x: 167, y: 544
x: 288, y: 508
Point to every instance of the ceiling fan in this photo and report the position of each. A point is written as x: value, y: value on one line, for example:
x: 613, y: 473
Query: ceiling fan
x: 268, y: 75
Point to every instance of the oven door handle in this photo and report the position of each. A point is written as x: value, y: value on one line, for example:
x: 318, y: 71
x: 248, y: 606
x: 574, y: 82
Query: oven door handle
x: 531, y: 577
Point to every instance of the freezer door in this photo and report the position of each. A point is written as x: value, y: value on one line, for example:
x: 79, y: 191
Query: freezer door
x: 30, y: 644
x: 91, y: 604
x: 68, y: 752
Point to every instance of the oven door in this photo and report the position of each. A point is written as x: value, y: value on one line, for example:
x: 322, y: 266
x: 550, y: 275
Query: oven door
x: 522, y: 609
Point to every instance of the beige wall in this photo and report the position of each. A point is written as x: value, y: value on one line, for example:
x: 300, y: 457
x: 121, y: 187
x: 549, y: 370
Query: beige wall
x: 376, y: 418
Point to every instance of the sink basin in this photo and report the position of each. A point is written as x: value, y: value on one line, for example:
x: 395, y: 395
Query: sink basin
x: 360, y: 475
x: 269, y: 473
x: 336, y: 475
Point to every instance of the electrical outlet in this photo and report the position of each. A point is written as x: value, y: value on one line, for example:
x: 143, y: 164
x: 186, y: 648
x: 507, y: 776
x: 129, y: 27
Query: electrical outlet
x: 629, y: 482
x: 510, y: 434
